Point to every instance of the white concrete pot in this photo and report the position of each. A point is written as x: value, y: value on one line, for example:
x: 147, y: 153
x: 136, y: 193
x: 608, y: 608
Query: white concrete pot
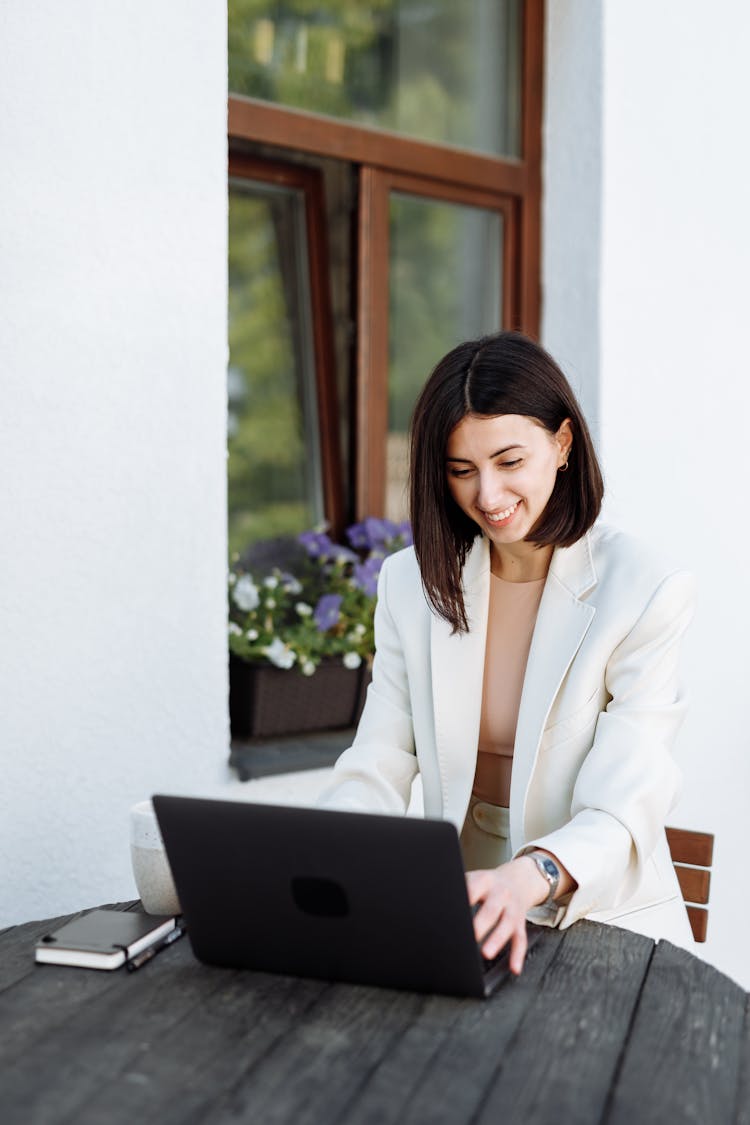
x: 151, y: 870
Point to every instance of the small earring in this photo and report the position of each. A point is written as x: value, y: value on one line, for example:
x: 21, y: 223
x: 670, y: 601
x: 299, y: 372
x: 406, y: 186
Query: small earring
x: 563, y: 468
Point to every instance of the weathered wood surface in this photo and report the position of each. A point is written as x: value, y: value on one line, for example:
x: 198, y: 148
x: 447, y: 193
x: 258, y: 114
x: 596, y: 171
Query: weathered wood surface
x: 601, y: 1027
x: 685, y: 1048
x: 567, y: 1051
x: 742, y: 1114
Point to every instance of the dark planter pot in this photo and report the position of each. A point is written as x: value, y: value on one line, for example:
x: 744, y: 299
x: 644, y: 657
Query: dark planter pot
x: 265, y: 701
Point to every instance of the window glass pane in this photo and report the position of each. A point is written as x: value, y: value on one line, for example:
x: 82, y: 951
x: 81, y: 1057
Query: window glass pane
x: 435, y: 69
x: 274, y: 465
x: 445, y: 287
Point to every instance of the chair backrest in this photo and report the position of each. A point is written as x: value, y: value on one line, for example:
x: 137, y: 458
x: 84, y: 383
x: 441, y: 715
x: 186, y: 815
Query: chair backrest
x: 692, y: 855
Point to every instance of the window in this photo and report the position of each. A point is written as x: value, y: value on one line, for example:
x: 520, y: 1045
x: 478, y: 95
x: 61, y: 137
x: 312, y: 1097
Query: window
x: 420, y: 243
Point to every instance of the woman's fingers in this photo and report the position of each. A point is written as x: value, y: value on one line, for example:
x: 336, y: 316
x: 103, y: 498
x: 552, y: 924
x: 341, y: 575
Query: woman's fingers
x: 480, y: 888
x: 518, y: 949
x: 509, y: 925
x: 501, y: 915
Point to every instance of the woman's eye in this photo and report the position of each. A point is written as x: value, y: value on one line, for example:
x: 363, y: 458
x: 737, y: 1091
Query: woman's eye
x: 459, y: 472
x: 510, y: 464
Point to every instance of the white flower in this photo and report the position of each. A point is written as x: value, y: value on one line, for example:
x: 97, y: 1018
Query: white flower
x: 352, y: 660
x: 234, y: 630
x: 271, y: 582
x: 232, y: 578
x: 303, y: 609
x: 270, y: 603
x: 245, y: 594
x: 360, y: 630
x: 279, y: 654
x: 252, y: 634
x: 292, y: 586
x: 307, y: 668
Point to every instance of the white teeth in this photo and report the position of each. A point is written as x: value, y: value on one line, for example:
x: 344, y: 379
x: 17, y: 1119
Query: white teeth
x: 496, y: 517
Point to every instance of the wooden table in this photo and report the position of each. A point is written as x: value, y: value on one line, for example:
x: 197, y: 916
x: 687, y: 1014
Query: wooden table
x: 602, y: 1026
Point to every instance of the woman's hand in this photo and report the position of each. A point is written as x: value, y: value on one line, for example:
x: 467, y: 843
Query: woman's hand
x: 505, y: 894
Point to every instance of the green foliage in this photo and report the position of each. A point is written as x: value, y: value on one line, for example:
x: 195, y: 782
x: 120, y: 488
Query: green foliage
x: 405, y: 65
x: 268, y: 485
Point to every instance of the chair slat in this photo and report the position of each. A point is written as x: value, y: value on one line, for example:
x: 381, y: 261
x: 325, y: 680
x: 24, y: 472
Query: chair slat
x: 696, y: 849
x: 695, y: 883
x: 691, y: 847
x: 698, y: 917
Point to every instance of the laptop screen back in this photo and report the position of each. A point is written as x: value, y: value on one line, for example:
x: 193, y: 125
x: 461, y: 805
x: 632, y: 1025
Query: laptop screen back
x: 308, y: 892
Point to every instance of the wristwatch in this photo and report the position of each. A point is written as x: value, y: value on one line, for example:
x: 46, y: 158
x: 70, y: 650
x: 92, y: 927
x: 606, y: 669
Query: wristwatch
x: 551, y: 872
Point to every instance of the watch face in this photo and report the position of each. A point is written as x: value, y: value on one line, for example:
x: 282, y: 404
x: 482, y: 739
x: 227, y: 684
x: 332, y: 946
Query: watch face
x: 550, y: 867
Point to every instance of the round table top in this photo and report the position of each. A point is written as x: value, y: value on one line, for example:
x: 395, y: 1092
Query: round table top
x: 603, y: 1025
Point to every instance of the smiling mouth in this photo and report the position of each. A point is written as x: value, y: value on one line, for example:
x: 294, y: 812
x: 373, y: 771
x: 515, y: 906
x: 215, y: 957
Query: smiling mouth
x: 498, y: 517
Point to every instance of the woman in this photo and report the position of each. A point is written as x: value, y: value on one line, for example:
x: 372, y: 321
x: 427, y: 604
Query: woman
x: 527, y: 661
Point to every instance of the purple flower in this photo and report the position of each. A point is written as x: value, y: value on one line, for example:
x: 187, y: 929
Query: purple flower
x: 366, y: 575
x: 375, y: 533
x: 404, y: 531
x: 316, y: 543
x: 320, y: 546
x: 327, y: 612
x: 358, y: 537
x: 371, y: 532
x: 343, y: 554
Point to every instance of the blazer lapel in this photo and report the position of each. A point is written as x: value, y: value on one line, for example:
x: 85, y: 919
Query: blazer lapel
x: 562, y: 623
x: 457, y: 674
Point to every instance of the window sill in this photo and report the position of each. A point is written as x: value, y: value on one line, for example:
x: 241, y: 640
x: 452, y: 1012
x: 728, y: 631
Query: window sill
x: 264, y: 757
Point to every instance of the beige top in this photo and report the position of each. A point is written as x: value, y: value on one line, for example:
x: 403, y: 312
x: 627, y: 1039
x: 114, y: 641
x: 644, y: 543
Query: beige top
x: 510, y: 624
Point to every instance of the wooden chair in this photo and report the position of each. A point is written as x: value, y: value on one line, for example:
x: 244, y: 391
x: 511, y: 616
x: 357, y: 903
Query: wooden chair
x: 692, y: 855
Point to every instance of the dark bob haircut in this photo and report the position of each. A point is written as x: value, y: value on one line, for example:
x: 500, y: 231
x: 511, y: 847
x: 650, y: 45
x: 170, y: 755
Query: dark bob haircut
x: 505, y: 373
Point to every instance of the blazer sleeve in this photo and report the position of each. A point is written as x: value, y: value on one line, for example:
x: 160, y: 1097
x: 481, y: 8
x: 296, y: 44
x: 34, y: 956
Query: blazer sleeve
x: 629, y: 780
x: 376, y: 773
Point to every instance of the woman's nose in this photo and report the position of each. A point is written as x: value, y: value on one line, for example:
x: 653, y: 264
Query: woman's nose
x: 490, y: 490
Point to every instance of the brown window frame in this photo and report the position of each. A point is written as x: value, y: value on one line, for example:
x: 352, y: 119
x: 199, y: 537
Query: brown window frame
x: 447, y: 172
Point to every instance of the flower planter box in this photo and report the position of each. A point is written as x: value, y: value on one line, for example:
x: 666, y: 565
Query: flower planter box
x: 265, y: 701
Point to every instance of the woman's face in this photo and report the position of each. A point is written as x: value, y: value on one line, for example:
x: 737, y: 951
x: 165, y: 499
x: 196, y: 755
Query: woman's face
x: 501, y: 471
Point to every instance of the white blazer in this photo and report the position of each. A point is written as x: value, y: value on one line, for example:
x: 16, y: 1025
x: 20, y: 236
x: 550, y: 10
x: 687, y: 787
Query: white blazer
x: 593, y: 775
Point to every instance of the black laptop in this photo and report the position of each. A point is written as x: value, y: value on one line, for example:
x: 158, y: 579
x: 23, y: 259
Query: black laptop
x: 378, y: 900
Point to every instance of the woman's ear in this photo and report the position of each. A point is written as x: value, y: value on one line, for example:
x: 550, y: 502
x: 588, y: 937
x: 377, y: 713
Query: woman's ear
x: 564, y: 439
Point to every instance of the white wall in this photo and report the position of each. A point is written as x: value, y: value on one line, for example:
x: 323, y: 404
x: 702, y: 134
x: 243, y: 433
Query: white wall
x: 572, y: 176
x: 673, y: 387
x: 112, y: 432
x: 675, y: 390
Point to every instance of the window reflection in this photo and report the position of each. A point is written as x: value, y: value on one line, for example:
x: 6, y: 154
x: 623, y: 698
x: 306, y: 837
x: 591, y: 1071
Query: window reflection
x: 439, y: 70
x: 445, y: 286
x: 275, y: 483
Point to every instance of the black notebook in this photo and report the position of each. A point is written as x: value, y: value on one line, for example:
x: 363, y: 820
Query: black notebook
x: 103, y: 939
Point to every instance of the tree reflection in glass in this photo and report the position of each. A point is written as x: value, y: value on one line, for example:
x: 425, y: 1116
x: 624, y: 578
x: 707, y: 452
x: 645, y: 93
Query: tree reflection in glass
x: 274, y: 464
x: 440, y: 70
x: 445, y: 286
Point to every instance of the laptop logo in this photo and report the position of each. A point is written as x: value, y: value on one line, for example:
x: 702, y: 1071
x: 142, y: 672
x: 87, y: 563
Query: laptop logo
x: 321, y: 897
